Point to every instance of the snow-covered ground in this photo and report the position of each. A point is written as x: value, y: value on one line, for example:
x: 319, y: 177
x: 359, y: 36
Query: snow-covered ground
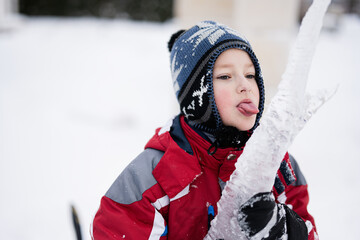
x: 79, y: 98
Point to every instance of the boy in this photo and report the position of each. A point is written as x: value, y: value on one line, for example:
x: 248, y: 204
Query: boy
x: 170, y: 190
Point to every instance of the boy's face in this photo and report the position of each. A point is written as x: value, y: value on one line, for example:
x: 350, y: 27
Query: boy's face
x: 235, y: 89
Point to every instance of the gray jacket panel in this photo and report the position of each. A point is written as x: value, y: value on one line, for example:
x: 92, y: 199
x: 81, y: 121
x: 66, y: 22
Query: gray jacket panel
x: 136, y: 178
x: 300, y: 179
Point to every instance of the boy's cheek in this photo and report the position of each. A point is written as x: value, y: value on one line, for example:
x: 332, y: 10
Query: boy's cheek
x: 220, y: 91
x: 222, y: 96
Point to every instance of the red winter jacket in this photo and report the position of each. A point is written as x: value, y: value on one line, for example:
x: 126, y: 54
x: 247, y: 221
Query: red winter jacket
x: 170, y: 190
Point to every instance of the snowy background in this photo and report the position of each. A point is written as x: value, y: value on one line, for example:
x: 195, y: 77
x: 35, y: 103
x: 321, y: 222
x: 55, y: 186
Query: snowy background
x: 79, y: 98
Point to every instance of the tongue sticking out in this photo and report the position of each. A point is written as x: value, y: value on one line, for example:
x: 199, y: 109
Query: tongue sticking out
x: 248, y: 108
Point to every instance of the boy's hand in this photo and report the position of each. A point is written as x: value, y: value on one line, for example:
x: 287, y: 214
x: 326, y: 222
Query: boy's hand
x: 257, y: 213
x: 261, y: 218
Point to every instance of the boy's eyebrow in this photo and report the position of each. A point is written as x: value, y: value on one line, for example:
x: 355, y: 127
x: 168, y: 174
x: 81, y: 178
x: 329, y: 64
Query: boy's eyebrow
x: 224, y: 65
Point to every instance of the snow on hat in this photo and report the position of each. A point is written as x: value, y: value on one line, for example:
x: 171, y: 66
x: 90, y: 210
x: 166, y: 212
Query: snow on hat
x: 192, y: 57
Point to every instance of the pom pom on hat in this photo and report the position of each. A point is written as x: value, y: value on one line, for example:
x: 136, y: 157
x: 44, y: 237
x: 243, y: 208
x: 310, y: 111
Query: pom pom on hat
x: 173, y: 39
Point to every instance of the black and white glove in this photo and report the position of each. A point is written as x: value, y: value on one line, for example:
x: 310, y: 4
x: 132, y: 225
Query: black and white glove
x: 262, y: 218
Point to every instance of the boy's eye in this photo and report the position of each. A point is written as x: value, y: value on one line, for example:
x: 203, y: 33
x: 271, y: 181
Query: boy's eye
x: 250, y: 76
x: 223, y: 77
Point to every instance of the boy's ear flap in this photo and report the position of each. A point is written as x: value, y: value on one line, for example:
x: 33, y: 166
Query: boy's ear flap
x: 173, y: 38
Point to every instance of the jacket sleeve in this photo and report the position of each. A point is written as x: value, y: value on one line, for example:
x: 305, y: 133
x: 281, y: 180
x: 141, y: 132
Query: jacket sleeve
x: 263, y: 217
x: 132, y: 207
x: 296, y: 198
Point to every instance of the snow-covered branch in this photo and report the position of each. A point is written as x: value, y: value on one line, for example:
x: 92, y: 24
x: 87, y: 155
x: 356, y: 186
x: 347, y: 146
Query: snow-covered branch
x: 286, y: 115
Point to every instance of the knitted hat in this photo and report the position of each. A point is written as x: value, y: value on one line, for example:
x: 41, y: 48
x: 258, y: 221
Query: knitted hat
x: 193, y: 54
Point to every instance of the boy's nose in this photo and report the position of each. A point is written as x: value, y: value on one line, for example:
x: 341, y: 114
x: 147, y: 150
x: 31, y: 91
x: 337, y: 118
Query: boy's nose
x: 242, y: 85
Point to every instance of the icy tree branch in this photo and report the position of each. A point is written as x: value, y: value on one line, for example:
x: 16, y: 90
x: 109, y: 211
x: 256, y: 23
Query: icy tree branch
x: 286, y: 115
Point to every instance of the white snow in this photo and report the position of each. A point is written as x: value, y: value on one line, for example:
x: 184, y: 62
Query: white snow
x: 81, y: 97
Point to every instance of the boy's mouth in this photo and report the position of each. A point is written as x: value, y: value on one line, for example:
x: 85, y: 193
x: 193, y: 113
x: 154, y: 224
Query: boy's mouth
x: 247, y: 108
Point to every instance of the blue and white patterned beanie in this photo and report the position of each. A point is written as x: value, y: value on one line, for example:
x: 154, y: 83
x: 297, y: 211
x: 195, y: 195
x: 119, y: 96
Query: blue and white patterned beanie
x: 192, y: 57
